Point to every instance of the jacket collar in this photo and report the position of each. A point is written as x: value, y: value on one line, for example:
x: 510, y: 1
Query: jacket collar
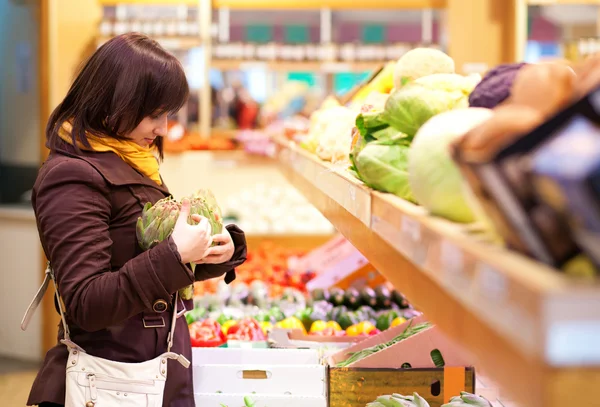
x: 114, y: 170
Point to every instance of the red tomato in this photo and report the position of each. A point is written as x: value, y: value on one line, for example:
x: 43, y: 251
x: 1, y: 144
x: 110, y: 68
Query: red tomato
x: 204, y: 335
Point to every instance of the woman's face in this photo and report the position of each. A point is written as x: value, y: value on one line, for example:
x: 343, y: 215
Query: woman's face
x: 148, y: 129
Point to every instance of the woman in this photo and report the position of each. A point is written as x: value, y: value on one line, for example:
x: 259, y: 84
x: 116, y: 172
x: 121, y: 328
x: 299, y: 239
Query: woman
x: 87, y: 198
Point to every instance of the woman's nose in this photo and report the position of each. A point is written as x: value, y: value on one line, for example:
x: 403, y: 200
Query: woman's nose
x: 161, y: 129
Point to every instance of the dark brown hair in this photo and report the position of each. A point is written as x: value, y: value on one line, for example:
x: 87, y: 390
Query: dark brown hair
x: 127, y: 79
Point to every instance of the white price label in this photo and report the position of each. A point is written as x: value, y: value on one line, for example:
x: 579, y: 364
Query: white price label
x: 452, y: 259
x: 491, y: 283
x: 411, y: 228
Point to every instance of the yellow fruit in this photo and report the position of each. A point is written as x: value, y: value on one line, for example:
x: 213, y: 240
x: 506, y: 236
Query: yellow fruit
x: 318, y: 326
x: 365, y: 327
x: 353, y: 330
x: 398, y: 321
x: 227, y: 324
x: 334, y: 325
x: 266, y: 326
x: 292, y: 323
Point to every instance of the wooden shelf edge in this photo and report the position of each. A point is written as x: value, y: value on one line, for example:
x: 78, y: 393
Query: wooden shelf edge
x: 509, y: 340
x: 286, y: 66
x: 331, y: 4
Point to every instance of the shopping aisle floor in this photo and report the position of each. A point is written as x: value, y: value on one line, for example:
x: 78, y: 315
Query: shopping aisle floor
x: 15, y: 381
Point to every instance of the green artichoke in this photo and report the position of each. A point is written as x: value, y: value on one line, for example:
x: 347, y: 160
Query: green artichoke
x: 158, y: 221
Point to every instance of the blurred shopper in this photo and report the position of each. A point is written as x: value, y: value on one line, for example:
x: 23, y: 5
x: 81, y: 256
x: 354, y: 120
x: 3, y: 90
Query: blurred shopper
x: 105, y: 140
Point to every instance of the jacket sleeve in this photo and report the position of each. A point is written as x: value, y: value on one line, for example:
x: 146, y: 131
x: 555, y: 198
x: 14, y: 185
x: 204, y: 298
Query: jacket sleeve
x: 208, y: 271
x: 73, y: 209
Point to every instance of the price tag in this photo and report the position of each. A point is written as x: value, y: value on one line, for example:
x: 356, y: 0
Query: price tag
x: 411, y: 228
x: 452, y: 259
x: 491, y: 284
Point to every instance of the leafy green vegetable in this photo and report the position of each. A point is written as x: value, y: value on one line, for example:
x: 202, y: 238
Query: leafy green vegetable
x: 383, y: 165
x: 407, y: 333
x: 408, y: 108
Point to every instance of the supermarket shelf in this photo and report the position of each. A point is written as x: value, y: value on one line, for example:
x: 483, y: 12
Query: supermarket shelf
x: 289, y: 4
x: 286, y: 66
x: 565, y: 2
x: 331, y: 4
x: 291, y: 240
x: 169, y: 43
x: 528, y: 327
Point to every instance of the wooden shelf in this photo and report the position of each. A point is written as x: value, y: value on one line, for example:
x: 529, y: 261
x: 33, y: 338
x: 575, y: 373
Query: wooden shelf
x: 294, y: 5
x: 565, y: 2
x: 287, y: 66
x: 331, y: 4
x: 169, y: 43
x: 528, y: 327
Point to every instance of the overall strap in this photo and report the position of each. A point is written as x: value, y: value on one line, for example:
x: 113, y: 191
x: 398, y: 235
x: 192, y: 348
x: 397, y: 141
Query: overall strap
x: 48, y: 276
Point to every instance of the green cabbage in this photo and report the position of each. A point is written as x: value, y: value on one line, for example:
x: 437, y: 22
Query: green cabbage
x: 435, y: 179
x: 383, y: 166
x: 420, y: 62
x: 408, y: 108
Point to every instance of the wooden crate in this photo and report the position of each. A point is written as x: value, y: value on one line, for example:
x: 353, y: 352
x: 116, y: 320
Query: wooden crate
x: 355, y: 387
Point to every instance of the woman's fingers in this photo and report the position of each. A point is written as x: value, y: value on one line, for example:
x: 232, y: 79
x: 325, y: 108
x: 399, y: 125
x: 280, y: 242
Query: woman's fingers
x: 184, y: 212
x: 221, y: 238
x: 216, y: 250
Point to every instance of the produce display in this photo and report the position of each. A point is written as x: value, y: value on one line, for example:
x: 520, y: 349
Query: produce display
x: 462, y: 147
x: 407, y: 333
x: 158, y: 221
x: 266, y: 273
x: 248, y: 210
x: 397, y: 400
x: 332, y: 312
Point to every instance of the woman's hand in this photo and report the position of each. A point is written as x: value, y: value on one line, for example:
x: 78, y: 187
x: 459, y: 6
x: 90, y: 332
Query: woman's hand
x: 221, y: 253
x: 192, y: 241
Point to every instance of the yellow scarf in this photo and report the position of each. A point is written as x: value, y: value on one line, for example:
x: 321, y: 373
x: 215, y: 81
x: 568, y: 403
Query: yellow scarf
x: 140, y: 158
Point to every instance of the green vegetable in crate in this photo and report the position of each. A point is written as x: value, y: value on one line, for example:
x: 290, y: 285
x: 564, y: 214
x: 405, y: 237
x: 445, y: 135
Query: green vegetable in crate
x: 384, y: 321
x: 347, y: 319
x: 407, y: 333
x: 305, y: 316
x: 195, y: 315
x: 399, y: 300
x: 337, y: 296
x: 277, y: 314
x: 368, y: 297
x: 468, y: 400
x: 398, y: 400
x: 158, y: 221
x: 366, y: 312
x: 336, y: 312
x: 320, y: 294
x: 384, y: 297
x: 352, y: 298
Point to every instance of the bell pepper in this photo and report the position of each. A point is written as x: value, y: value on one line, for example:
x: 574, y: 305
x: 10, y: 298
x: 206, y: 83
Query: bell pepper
x: 266, y: 326
x: 246, y: 330
x: 318, y: 326
x: 292, y: 323
x: 374, y: 332
x: 398, y: 321
x: 362, y: 328
x: 228, y: 324
x: 206, y: 334
x: 334, y: 325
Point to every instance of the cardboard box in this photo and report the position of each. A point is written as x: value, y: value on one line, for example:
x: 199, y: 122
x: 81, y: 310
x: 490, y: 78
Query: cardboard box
x: 275, y: 372
x: 380, y: 373
x: 261, y: 400
x: 355, y: 387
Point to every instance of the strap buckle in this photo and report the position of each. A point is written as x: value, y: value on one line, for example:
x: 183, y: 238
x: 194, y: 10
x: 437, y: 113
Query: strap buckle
x: 154, y: 322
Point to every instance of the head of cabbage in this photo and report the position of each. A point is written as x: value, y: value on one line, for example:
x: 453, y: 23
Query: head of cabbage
x: 383, y: 166
x: 435, y: 179
x: 409, y: 107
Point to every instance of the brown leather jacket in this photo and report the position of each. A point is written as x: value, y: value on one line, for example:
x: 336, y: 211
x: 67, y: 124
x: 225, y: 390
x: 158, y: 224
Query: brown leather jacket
x: 86, y: 205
